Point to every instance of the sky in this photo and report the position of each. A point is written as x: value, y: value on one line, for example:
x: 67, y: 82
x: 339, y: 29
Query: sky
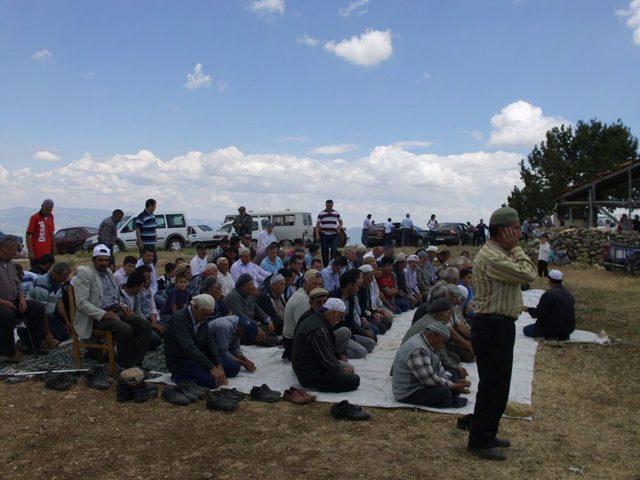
x: 386, y: 107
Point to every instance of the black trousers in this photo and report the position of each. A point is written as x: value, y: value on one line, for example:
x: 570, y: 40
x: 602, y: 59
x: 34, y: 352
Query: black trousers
x: 132, y: 335
x: 34, y: 317
x: 332, y: 382
x: 543, y: 268
x: 492, y: 337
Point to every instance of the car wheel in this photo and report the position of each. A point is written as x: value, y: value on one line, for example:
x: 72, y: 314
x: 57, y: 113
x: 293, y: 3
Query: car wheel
x: 175, y: 244
x: 117, y: 248
x: 285, y: 244
x: 78, y: 248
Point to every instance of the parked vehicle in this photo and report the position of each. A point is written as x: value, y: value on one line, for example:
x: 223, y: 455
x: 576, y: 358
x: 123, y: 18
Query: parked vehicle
x: 420, y: 237
x: 227, y: 231
x: 452, y: 233
x: 171, y: 229
x: 287, y: 225
x: 71, y: 240
x: 201, y: 235
x: 624, y: 257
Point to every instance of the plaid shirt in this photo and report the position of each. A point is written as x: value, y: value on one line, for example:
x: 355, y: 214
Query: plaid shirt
x: 425, y: 365
x: 497, y: 276
x: 107, y: 232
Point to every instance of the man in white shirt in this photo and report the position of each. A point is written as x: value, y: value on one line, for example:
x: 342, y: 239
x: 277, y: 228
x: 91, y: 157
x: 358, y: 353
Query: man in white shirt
x: 199, y: 262
x: 245, y: 265
x: 265, y: 238
x: 388, y: 227
x: 543, y: 256
x: 148, y: 254
x: 225, y: 278
x: 367, y: 225
x: 407, y: 231
x: 432, y: 226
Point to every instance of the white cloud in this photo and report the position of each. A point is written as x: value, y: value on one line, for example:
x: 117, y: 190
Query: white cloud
x: 43, y: 55
x: 367, y: 49
x: 521, y: 124
x: 198, y: 78
x: 46, y: 156
x: 460, y: 187
x: 334, y: 149
x: 268, y: 7
x: 408, y: 144
x: 307, y: 40
x: 633, y: 19
x: 353, y: 7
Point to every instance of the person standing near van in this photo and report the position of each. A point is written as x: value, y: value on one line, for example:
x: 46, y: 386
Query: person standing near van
x: 366, y: 228
x: 328, y: 225
x: 39, y: 236
x: 108, y: 230
x: 146, y: 227
x: 243, y: 223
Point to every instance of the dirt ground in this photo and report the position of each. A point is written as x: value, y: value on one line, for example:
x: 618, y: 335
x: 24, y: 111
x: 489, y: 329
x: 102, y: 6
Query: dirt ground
x: 585, y: 424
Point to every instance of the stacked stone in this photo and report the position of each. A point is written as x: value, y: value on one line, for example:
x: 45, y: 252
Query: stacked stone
x: 586, y: 245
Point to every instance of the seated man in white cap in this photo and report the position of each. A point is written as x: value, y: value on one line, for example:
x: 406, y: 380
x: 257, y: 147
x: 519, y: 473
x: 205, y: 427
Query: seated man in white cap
x: 100, y: 305
x: 314, y: 357
x: 297, y: 306
x: 411, y: 276
x: 460, y: 331
x: 379, y: 319
x: 245, y: 265
x: 555, y: 314
x: 418, y: 376
x: 191, y: 353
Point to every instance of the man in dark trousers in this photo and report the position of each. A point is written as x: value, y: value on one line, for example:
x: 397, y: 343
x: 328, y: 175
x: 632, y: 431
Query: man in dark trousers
x: 555, y: 314
x: 314, y: 358
x: 500, y: 267
x: 243, y: 223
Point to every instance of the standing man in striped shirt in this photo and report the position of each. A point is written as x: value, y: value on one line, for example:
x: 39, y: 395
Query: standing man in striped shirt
x: 500, y: 267
x: 146, y: 228
x: 327, y: 227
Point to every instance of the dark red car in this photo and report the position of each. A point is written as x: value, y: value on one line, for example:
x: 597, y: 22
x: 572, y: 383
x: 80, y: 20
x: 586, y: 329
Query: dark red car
x: 70, y: 240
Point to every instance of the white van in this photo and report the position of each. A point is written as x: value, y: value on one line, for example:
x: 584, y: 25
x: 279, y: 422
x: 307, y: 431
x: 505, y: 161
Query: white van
x: 171, y: 230
x: 288, y: 225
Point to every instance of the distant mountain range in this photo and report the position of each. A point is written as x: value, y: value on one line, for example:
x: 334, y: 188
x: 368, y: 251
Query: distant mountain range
x: 14, y: 220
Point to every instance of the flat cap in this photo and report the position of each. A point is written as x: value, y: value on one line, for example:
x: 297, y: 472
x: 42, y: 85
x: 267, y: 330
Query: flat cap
x: 504, y: 217
x: 439, y: 305
x: 318, y: 292
x: 439, y: 328
x: 243, y: 279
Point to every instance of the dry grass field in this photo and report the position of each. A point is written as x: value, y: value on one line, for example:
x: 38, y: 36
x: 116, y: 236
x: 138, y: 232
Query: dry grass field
x: 585, y: 424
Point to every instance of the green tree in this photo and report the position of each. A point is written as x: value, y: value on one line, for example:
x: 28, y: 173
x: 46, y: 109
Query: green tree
x: 567, y: 157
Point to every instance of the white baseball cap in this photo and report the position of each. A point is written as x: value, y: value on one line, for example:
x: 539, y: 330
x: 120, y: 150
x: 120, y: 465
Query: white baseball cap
x: 432, y: 248
x: 101, y: 251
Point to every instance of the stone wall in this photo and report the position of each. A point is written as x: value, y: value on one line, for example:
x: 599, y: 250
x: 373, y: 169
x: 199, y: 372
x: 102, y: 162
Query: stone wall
x: 584, y: 245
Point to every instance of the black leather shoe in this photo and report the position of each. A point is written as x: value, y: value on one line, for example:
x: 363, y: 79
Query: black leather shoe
x: 501, y: 442
x: 124, y: 392
x: 97, y: 379
x: 60, y: 381
x: 464, y: 422
x: 488, y: 453
x: 188, y: 392
x: 173, y: 395
x: 347, y: 411
x: 222, y: 400
x: 264, y: 394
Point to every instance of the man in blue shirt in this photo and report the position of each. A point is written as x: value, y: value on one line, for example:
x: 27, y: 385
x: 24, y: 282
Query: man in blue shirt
x: 331, y: 273
x: 146, y: 227
x: 407, y: 230
x: 272, y: 262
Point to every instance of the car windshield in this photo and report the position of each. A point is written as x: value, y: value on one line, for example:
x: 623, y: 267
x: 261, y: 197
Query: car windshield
x: 449, y: 226
x: 124, y: 220
x: 226, y: 228
x: 205, y: 228
x: 92, y: 231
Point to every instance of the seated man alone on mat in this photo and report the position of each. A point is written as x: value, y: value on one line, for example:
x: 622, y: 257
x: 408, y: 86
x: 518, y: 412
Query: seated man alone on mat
x: 418, y: 376
x: 555, y: 314
x: 227, y: 332
x: 190, y: 351
x: 314, y: 357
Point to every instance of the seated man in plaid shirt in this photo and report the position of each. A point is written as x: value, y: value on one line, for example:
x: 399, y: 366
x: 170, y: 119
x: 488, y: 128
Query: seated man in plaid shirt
x: 418, y: 376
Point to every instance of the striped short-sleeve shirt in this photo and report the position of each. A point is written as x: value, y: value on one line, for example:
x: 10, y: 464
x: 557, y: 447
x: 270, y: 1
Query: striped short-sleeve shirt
x: 329, y: 222
x: 147, y: 223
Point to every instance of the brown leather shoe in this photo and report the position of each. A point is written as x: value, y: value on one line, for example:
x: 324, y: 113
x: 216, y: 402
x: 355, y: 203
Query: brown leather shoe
x: 296, y: 396
x: 310, y: 398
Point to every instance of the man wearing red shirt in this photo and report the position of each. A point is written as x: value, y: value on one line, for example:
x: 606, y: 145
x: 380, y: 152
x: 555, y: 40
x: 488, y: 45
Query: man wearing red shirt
x: 39, y: 236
